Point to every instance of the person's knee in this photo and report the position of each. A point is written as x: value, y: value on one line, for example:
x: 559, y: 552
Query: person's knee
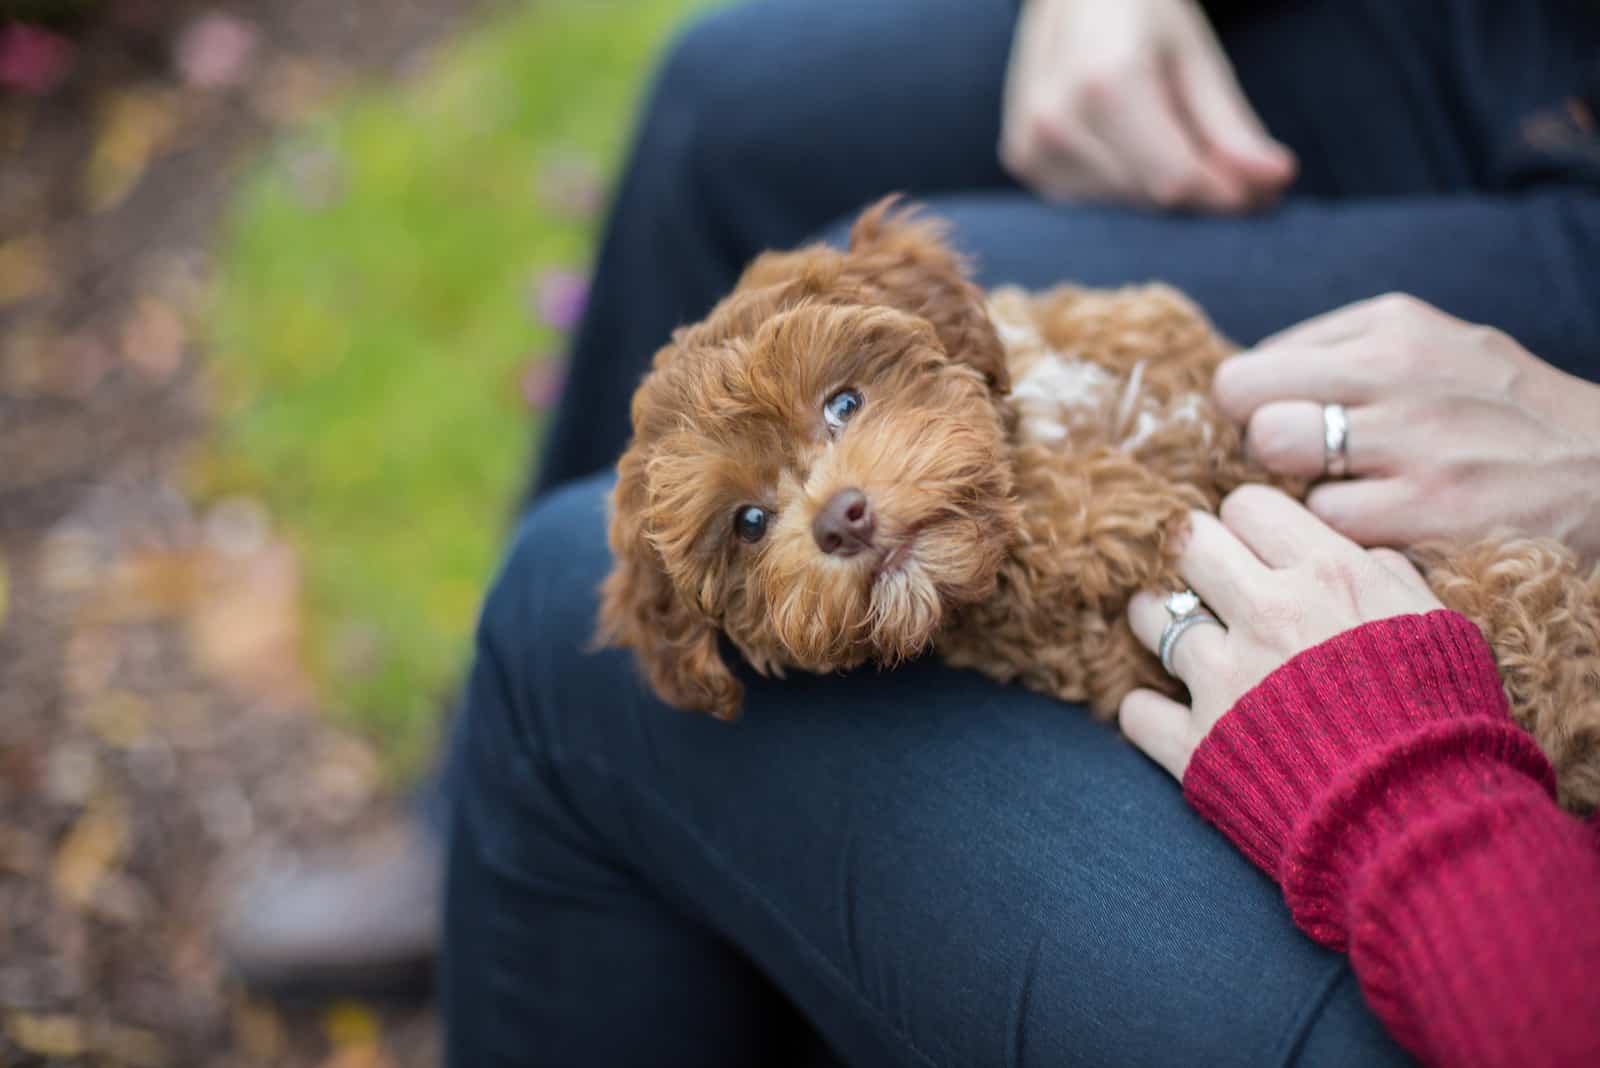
x: 538, y: 617
x: 557, y: 557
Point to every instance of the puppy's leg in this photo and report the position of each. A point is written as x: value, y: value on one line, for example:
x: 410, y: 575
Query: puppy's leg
x: 1540, y: 612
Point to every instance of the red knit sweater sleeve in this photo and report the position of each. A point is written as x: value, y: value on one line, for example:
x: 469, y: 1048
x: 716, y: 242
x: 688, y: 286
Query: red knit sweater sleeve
x: 1380, y: 781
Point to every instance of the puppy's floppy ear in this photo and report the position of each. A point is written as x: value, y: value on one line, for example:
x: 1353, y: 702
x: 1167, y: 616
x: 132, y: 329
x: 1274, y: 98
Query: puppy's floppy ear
x: 640, y: 609
x: 903, y: 260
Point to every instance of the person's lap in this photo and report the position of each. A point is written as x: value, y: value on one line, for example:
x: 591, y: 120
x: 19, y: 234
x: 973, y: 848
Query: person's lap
x: 934, y: 868
x: 906, y: 855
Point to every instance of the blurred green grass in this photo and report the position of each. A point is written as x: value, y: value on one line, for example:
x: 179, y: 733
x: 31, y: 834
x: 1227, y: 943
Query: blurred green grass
x: 374, y: 321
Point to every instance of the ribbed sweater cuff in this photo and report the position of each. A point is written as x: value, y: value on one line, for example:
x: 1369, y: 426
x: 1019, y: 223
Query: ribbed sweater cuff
x: 1351, y: 740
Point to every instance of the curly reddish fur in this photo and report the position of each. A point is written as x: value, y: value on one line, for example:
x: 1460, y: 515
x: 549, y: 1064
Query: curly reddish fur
x: 1031, y: 460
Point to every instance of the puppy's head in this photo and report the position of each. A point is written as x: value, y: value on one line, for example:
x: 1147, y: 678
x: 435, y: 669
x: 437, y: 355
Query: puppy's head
x: 818, y: 471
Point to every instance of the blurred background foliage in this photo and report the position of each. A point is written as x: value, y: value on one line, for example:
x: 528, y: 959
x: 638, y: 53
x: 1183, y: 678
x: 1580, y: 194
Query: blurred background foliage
x: 394, y: 283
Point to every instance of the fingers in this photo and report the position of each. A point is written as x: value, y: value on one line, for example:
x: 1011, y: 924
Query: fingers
x: 1197, y: 651
x: 1279, y: 530
x: 1329, y: 328
x: 1340, y: 374
x: 1042, y: 142
x: 1071, y: 162
x: 1287, y: 437
x: 1218, y: 111
x: 1220, y: 568
x: 1160, y: 727
x: 1141, y: 125
x: 1370, y: 511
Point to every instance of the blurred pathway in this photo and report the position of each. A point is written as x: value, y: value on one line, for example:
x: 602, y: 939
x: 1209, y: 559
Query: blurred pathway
x: 153, y: 719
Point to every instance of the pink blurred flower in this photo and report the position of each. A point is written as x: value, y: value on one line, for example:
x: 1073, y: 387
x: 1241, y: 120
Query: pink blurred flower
x: 33, y: 60
x: 216, y: 50
x: 562, y: 296
x: 541, y: 382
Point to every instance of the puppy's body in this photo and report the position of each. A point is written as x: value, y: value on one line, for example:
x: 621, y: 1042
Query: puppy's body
x: 993, y: 476
x: 1116, y: 438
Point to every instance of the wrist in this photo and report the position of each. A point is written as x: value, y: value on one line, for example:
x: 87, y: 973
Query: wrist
x: 1331, y: 716
x: 1412, y: 796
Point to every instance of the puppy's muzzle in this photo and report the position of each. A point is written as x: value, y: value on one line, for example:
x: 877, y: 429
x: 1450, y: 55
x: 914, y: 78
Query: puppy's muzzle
x: 845, y: 525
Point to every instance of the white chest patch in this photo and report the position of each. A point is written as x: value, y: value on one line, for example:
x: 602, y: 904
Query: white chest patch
x: 1062, y: 397
x: 1058, y: 392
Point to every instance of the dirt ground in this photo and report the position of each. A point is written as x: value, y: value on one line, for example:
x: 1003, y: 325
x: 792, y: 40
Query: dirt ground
x: 153, y: 722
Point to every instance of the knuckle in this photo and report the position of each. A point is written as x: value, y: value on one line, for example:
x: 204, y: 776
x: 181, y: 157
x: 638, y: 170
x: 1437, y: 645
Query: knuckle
x: 1047, y: 132
x: 1097, y: 90
x: 1247, y: 501
x: 1335, y: 573
x: 1099, y: 86
x: 1275, y: 613
x: 1270, y: 440
x: 1484, y: 336
x: 1230, y: 384
x: 1327, y: 507
x: 1388, y: 557
x: 1397, y: 306
x: 1017, y: 155
x: 1176, y: 190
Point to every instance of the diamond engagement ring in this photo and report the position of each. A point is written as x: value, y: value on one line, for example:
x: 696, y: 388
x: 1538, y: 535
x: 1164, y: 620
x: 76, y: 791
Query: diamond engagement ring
x: 1335, y: 441
x: 1184, y: 610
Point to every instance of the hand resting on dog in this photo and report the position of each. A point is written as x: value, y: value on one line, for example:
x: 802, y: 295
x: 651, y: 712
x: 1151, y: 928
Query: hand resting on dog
x: 1455, y: 429
x: 1281, y: 581
x: 1369, y: 767
x: 859, y: 456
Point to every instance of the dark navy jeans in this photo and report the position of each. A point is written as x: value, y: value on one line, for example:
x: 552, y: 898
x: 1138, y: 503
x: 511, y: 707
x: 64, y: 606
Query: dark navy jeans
x: 921, y: 867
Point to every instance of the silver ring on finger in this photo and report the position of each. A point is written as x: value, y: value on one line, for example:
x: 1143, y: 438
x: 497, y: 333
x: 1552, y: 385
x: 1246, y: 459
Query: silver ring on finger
x: 1335, y: 441
x: 1184, y: 610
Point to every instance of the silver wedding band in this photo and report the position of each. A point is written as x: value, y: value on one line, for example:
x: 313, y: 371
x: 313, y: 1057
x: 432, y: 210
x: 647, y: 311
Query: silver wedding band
x: 1184, y: 610
x: 1335, y: 441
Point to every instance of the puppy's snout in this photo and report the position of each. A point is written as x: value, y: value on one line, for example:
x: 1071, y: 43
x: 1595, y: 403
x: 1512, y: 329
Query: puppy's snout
x: 845, y: 524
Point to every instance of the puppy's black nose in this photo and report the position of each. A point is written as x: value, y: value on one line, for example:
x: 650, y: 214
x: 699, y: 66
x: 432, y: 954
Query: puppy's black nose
x: 844, y: 526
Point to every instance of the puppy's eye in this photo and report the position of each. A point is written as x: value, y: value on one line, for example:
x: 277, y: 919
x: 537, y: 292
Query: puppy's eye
x: 750, y: 523
x: 841, y: 408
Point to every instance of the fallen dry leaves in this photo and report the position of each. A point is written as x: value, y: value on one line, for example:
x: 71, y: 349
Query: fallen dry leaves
x: 134, y: 125
x: 153, y: 713
x: 61, y: 1036
x: 95, y: 842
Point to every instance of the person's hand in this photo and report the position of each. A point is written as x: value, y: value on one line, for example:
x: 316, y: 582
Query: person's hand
x: 1133, y: 101
x: 1454, y: 429
x: 1280, y: 581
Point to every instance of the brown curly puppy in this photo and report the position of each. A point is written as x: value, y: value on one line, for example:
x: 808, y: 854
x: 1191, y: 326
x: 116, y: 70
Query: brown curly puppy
x: 859, y: 455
